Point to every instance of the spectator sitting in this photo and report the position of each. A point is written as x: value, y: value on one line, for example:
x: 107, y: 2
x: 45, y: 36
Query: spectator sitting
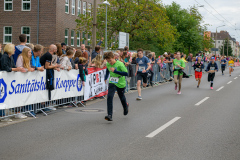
x: 24, y: 60
x: 35, y: 61
x: 65, y: 60
x: 76, y: 57
x: 7, y: 62
x: 63, y: 45
x: 96, y: 52
x: 19, y: 48
x: 134, y: 57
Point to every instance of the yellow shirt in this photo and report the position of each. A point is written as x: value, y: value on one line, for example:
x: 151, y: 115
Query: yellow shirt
x: 231, y: 63
x: 184, y: 59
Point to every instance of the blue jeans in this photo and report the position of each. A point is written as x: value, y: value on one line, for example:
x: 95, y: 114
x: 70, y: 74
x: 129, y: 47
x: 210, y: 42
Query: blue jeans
x: 111, y: 91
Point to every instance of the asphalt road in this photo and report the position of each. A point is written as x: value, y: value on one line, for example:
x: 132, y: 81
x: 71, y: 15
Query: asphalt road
x: 184, y: 130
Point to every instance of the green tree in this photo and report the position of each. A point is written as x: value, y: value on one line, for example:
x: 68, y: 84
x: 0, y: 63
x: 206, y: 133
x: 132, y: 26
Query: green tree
x: 226, y: 49
x: 188, y: 25
x: 145, y: 21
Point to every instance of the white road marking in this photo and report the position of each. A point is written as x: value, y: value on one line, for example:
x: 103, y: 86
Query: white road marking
x: 220, y: 88
x: 229, y: 82
x: 235, y: 77
x: 154, y: 133
x: 200, y: 102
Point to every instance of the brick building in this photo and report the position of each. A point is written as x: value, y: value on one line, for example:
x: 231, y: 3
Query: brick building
x: 43, y: 21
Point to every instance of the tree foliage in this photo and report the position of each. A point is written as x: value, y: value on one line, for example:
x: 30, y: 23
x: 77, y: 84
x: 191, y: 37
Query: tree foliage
x: 228, y: 51
x: 150, y: 25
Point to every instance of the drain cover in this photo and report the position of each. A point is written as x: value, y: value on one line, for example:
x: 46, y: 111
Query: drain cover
x: 86, y: 110
x: 89, y: 110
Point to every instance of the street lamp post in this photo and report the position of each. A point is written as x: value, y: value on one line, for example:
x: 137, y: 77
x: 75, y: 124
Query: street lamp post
x: 216, y: 39
x: 106, y: 3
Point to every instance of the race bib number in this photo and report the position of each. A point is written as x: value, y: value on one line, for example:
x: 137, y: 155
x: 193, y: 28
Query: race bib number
x: 212, y: 68
x: 141, y: 68
x: 198, y: 69
x: 114, y: 80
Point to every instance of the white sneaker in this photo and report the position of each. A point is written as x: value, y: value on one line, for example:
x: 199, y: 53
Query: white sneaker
x: 52, y: 108
x: 6, y: 120
x: 20, y: 116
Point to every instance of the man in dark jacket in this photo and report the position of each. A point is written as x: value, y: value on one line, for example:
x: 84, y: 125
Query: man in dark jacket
x: 19, y: 48
x: 96, y: 52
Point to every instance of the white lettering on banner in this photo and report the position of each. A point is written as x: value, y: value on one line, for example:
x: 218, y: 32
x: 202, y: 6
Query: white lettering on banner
x: 20, y: 89
x: 95, y: 85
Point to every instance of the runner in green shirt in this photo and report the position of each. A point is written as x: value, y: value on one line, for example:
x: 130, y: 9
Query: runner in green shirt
x: 178, y: 67
x: 117, y: 71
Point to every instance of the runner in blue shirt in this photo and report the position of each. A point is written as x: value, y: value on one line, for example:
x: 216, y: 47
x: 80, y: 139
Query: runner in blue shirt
x: 223, y: 64
x: 142, y: 68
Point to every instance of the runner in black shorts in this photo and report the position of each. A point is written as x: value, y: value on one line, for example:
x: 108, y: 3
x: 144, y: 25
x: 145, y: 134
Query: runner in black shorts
x: 142, y: 67
x: 211, y: 69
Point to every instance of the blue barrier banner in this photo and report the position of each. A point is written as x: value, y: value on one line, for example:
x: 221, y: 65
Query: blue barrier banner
x: 20, y: 89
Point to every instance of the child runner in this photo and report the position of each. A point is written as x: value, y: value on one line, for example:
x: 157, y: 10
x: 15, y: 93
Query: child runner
x: 117, y: 81
x: 223, y: 64
x: 231, y: 64
x: 211, y: 69
x: 178, y: 67
x: 142, y: 68
x: 198, y: 67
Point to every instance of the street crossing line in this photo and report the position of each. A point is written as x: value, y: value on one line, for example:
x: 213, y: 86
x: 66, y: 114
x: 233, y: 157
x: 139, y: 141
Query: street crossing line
x: 200, y: 102
x: 229, y: 82
x: 235, y: 77
x: 157, y: 131
x: 220, y: 88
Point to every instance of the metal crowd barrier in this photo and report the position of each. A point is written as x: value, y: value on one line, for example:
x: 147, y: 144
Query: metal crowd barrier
x: 160, y: 75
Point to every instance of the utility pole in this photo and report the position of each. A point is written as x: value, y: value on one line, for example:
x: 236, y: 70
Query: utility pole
x: 227, y: 45
x: 94, y: 30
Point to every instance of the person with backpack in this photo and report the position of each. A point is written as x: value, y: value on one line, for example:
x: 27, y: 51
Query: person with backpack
x: 198, y: 67
x: 211, y: 69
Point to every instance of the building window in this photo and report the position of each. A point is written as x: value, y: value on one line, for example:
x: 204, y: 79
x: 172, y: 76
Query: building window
x: 72, y: 37
x: 89, y: 39
x: 83, y: 37
x: 7, y: 35
x: 78, y: 39
x: 84, y: 8
x: 67, y: 6
x: 8, y: 5
x: 89, y: 8
x: 26, y: 5
x: 73, y: 7
x: 66, y: 36
x: 26, y: 30
x: 79, y: 7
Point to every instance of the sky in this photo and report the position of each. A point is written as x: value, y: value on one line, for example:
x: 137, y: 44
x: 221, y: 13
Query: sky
x: 216, y: 13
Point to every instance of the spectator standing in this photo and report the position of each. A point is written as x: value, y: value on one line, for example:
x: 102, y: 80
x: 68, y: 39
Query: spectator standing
x: 35, y: 61
x: 76, y: 57
x: 184, y: 58
x: 100, y: 43
x: 83, y: 49
x: 134, y: 57
x: 7, y: 62
x: 19, y: 48
x: 46, y: 59
x: 65, y: 60
x: 82, y: 69
x: 116, y: 56
x: 0, y: 54
x: 59, y: 50
x: 96, y: 52
x: 190, y: 57
x: 24, y: 60
x: 64, y: 47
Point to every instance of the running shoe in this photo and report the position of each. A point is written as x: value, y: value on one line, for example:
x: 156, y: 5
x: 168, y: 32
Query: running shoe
x: 125, y: 110
x: 179, y: 92
x: 108, y: 118
x: 175, y: 86
x: 197, y: 86
x: 139, y: 98
x: 230, y: 75
x: 211, y: 87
